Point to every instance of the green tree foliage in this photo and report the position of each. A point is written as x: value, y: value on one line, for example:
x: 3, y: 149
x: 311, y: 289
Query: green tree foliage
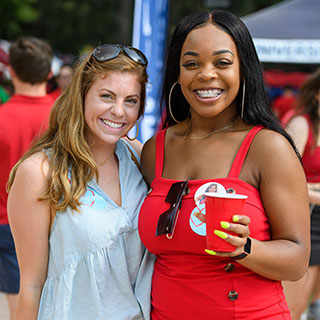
x: 180, y: 8
x: 69, y: 25
x: 72, y: 25
x: 14, y: 14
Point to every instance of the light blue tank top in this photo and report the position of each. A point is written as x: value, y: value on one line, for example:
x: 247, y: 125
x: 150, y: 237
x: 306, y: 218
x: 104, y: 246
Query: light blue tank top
x: 98, y: 268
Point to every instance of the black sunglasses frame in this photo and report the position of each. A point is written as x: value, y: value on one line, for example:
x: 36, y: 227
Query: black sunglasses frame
x: 168, y: 219
x: 133, y: 53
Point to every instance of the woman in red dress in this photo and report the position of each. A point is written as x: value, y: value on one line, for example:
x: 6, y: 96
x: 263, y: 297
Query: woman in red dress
x: 305, y: 129
x: 219, y: 129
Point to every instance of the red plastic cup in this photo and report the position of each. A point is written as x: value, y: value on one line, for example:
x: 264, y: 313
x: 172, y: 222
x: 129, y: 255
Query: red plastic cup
x: 221, y: 207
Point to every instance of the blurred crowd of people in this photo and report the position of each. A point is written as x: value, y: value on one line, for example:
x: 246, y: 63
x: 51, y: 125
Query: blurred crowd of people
x: 60, y: 77
x: 27, y: 96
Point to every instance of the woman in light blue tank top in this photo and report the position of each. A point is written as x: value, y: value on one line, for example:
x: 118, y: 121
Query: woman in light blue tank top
x: 74, y: 199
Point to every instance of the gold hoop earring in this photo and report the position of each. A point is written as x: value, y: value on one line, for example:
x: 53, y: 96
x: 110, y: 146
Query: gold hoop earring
x: 137, y: 133
x: 169, y: 103
x: 242, y: 100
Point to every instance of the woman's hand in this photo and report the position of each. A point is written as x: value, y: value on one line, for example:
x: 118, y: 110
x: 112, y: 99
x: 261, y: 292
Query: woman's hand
x: 314, y: 186
x: 239, y: 226
x: 314, y: 193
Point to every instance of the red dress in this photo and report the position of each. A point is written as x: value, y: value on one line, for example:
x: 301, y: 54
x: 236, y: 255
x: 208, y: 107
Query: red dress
x: 311, y: 156
x: 311, y: 166
x: 188, y: 283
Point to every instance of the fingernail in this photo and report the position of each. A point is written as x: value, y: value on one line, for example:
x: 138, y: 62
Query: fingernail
x: 235, y: 218
x: 225, y: 224
x: 220, y: 234
x: 210, y: 252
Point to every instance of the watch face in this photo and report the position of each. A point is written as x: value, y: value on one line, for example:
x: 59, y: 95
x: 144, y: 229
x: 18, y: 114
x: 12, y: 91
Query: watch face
x: 247, y: 247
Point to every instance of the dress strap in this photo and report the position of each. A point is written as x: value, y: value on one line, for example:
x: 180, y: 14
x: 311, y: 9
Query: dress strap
x: 160, y: 152
x: 310, y: 140
x: 242, y: 153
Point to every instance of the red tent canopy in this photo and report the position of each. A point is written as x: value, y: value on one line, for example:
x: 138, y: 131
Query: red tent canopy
x: 277, y: 78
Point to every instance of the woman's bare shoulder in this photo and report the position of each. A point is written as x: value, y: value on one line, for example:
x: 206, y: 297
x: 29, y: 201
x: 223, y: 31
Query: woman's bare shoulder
x: 271, y: 152
x: 34, y: 167
x: 269, y: 141
x: 135, y: 144
x: 148, y: 158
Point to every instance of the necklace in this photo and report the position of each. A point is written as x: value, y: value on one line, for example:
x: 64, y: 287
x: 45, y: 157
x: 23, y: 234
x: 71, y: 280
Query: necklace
x: 185, y: 137
x: 104, y: 161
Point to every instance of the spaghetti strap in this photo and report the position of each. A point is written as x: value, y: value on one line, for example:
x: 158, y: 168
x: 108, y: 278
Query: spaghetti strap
x: 310, y: 140
x: 242, y: 153
x: 159, y: 152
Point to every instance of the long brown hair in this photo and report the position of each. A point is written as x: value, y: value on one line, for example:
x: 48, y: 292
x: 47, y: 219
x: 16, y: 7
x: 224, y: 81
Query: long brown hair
x: 65, y: 138
x: 307, y: 102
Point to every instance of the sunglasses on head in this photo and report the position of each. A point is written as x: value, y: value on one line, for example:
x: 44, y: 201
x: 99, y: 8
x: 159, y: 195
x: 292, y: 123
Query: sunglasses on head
x: 167, y: 220
x: 107, y: 52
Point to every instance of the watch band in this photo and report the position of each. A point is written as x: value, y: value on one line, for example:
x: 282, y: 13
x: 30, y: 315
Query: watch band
x: 246, y: 252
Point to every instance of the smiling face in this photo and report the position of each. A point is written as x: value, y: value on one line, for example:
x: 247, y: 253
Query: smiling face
x: 64, y: 78
x: 209, y: 71
x: 111, y: 107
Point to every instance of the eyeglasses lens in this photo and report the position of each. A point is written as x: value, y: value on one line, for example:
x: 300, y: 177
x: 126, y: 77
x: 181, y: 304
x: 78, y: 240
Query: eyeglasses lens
x: 136, y: 55
x: 106, y: 52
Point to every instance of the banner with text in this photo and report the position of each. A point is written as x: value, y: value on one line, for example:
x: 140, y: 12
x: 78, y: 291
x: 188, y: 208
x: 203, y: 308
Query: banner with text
x: 288, y: 51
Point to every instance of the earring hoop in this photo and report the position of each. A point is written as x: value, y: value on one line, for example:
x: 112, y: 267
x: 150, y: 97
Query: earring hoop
x: 169, y: 103
x: 242, y: 100
x: 137, y: 133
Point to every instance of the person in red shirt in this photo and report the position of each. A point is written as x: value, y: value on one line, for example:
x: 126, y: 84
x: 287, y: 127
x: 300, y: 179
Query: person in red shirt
x: 22, y: 119
x: 285, y: 102
x: 63, y: 79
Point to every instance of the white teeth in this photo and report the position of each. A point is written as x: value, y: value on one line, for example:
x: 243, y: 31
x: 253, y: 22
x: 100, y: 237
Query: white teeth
x: 208, y: 93
x: 112, y: 124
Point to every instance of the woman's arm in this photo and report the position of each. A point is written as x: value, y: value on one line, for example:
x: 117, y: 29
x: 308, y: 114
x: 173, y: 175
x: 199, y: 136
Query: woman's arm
x: 29, y: 220
x: 298, y: 129
x: 284, y: 194
x: 314, y: 193
x: 274, y: 165
x: 148, y: 160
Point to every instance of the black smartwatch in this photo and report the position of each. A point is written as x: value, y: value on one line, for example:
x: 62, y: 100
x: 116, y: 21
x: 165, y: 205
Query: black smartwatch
x: 246, y: 252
